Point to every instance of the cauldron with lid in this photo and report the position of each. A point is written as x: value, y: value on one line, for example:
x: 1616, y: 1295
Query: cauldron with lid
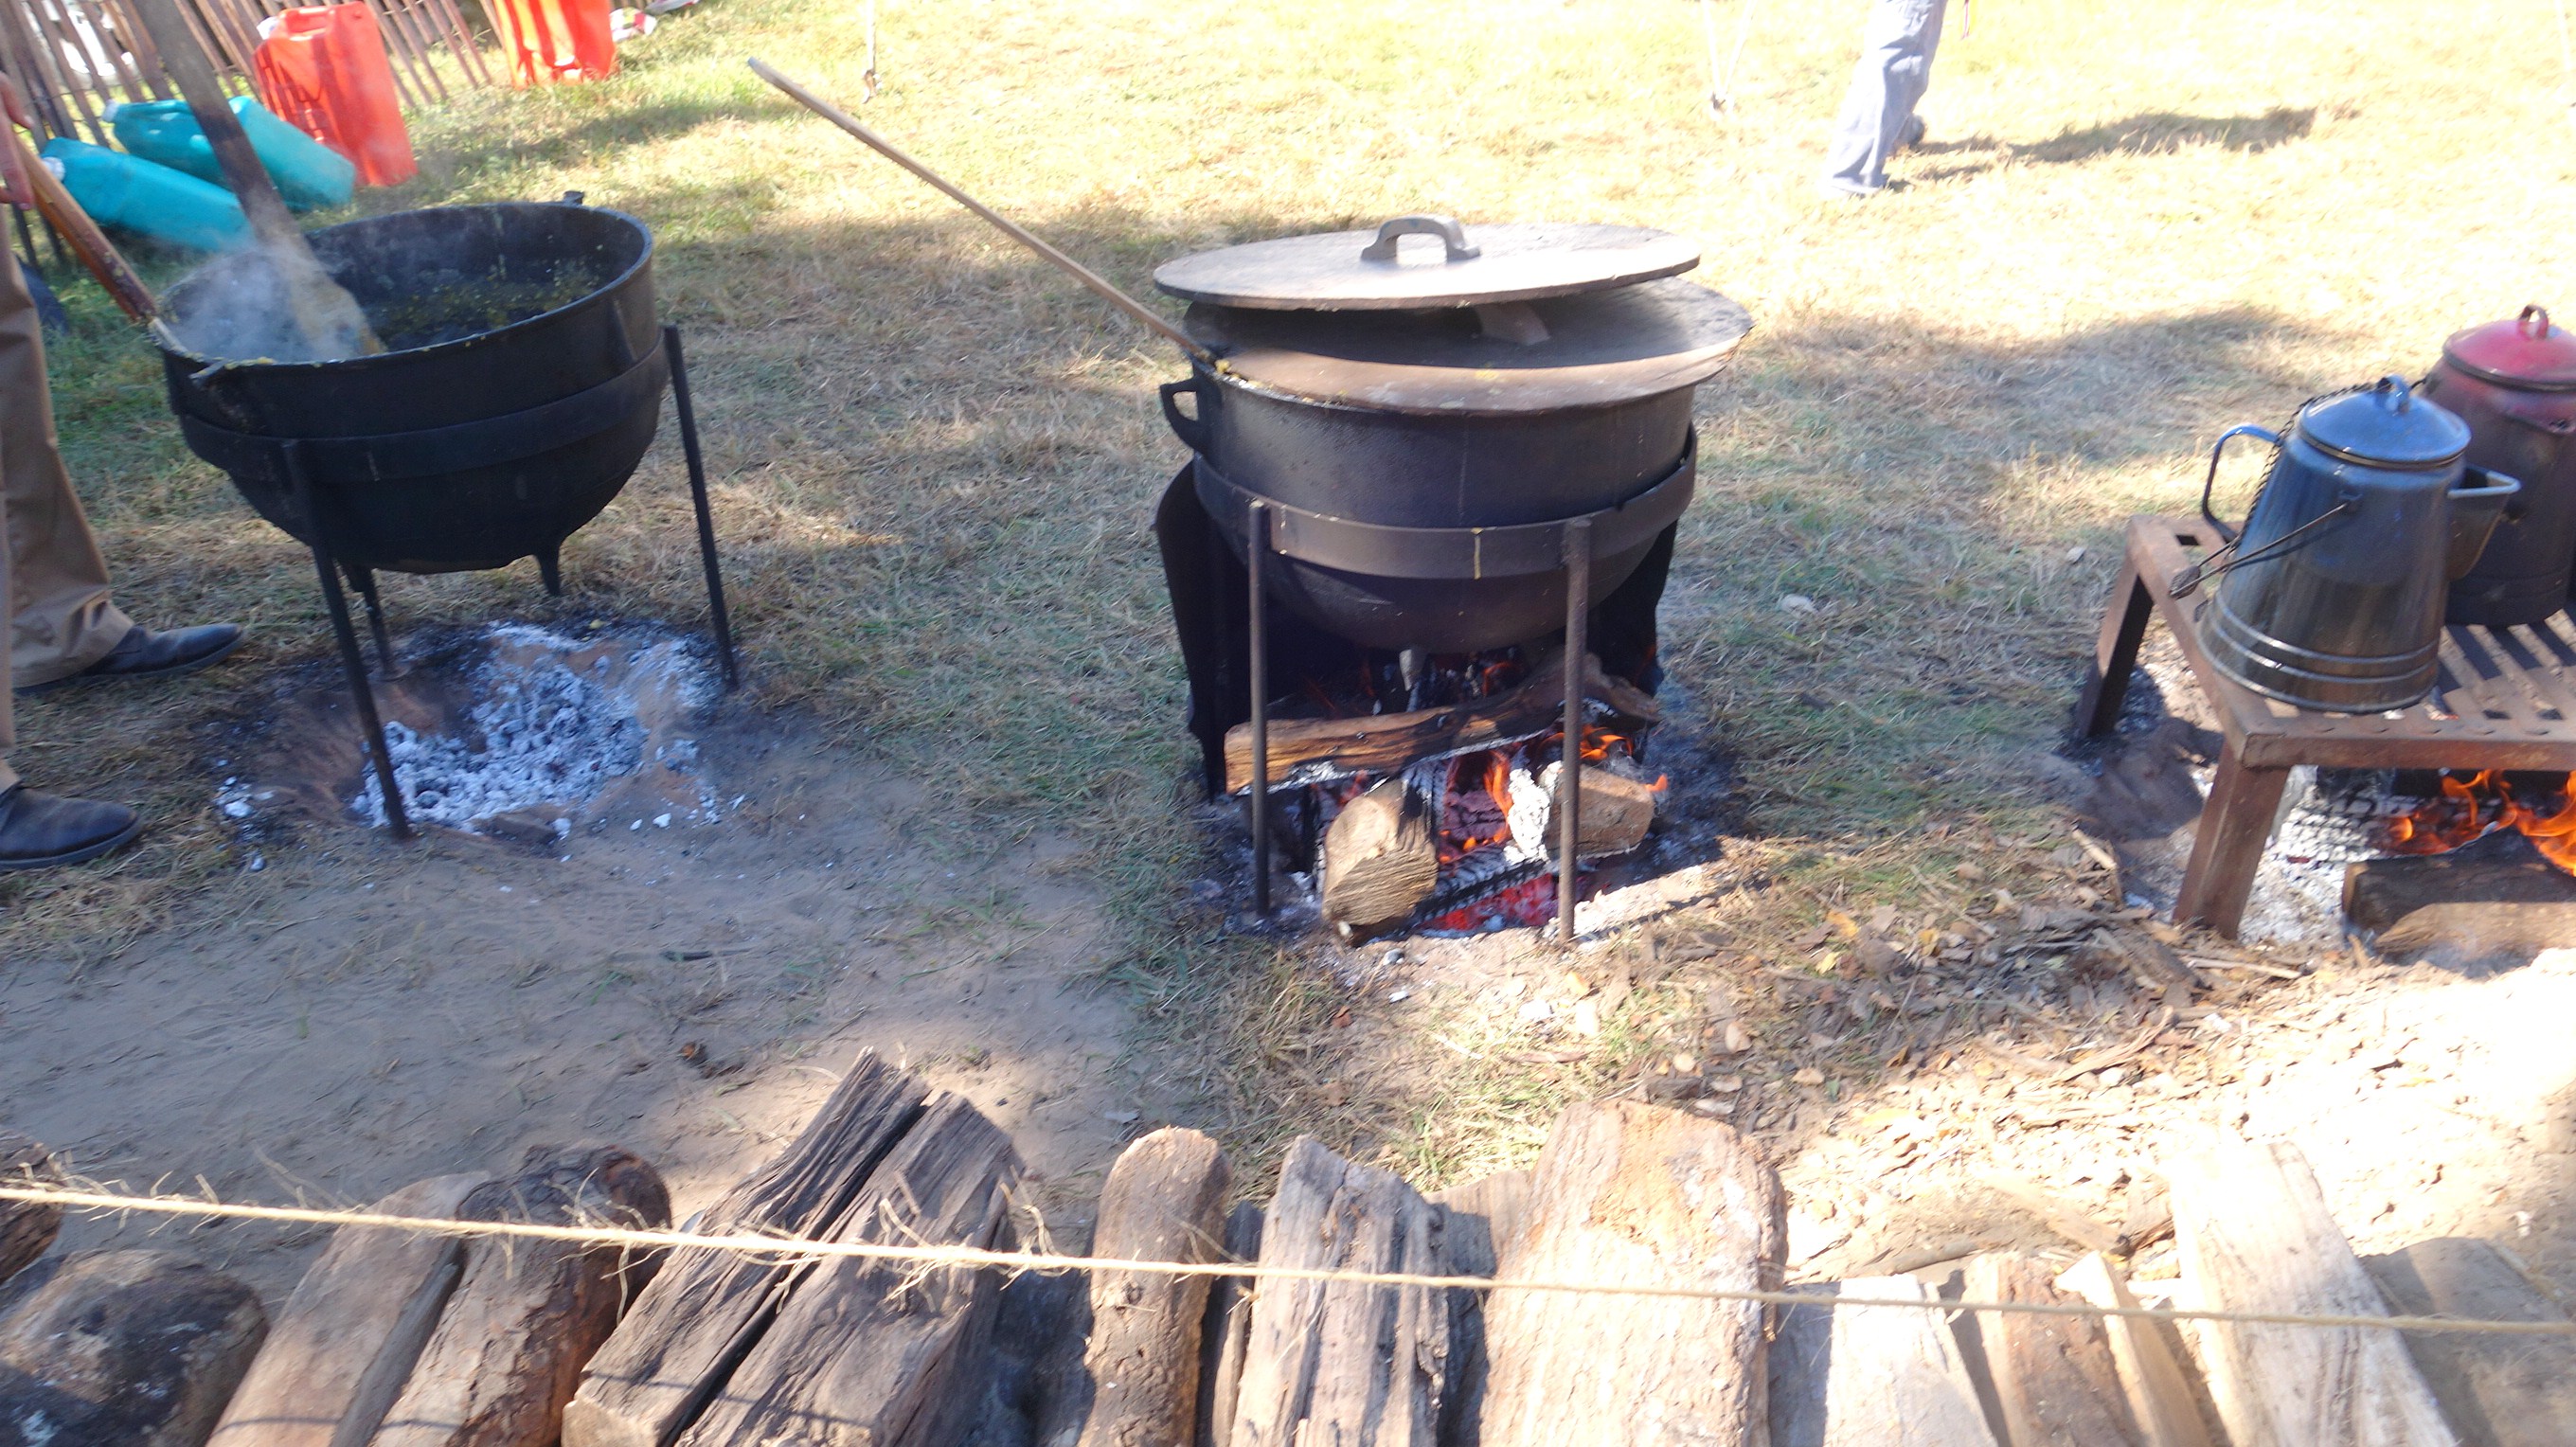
x: 1424, y: 407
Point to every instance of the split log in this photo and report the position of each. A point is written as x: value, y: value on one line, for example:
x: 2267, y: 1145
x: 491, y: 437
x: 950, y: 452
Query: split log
x: 526, y: 1314
x: 2160, y: 1395
x: 2254, y: 1235
x: 2497, y: 1391
x: 688, y: 1331
x: 881, y: 1353
x: 135, y: 1348
x: 1628, y: 1192
x: 26, y: 1227
x: 345, y: 1343
x: 1862, y: 1376
x: 1332, y: 1362
x: 2054, y: 1377
x: 1227, y: 1329
x: 1139, y: 1381
x: 1310, y: 750
x: 1379, y: 858
x: 1483, y: 1216
x: 2380, y: 893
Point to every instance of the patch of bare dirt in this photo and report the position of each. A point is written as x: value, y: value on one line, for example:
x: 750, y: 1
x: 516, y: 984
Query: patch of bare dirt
x: 358, y: 1014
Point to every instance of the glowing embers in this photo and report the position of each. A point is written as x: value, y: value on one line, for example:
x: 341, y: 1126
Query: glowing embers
x: 2481, y: 805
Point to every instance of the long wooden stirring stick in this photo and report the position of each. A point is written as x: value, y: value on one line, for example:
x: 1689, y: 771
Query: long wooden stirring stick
x: 87, y: 242
x: 332, y: 323
x: 1008, y: 227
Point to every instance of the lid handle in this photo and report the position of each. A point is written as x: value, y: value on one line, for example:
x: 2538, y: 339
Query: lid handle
x: 1444, y: 227
x: 2524, y: 321
x: 2395, y: 394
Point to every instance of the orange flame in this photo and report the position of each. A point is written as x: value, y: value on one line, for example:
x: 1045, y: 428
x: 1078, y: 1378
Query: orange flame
x: 2479, y: 807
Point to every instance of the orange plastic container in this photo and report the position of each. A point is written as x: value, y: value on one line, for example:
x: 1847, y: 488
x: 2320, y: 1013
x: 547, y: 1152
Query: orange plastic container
x: 551, y: 40
x: 324, y: 71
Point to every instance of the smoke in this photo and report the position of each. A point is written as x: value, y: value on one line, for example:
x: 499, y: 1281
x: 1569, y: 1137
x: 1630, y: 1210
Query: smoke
x: 239, y: 309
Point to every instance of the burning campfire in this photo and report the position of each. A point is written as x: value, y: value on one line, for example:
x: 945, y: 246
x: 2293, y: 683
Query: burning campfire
x: 1429, y: 801
x: 2481, y: 805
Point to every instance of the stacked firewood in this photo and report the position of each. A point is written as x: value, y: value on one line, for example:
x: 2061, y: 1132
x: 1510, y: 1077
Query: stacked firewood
x: 399, y: 1339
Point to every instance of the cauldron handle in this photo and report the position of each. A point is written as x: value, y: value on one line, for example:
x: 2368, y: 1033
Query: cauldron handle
x: 1191, y: 430
x: 1451, y: 234
x: 2207, y: 484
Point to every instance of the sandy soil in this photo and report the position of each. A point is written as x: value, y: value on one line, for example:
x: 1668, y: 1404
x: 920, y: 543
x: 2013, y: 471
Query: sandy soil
x: 359, y: 1014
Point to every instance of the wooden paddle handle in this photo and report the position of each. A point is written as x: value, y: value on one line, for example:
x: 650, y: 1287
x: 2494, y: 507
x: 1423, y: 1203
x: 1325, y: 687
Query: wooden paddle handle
x: 87, y: 242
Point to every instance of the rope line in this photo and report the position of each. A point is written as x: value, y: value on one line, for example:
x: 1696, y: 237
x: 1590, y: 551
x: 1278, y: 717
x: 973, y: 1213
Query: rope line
x: 788, y: 1249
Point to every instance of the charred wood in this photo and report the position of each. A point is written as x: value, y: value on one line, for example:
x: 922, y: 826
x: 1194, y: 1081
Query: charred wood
x: 135, y: 1348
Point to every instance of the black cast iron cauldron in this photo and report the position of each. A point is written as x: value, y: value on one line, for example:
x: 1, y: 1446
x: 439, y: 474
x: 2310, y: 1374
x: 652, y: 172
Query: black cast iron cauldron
x: 521, y: 384
x: 1422, y: 424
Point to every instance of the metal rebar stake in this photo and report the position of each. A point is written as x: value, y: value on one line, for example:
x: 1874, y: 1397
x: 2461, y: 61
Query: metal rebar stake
x: 698, y: 497
x: 1256, y: 556
x: 364, y: 580
x: 1569, y: 775
x: 352, y: 661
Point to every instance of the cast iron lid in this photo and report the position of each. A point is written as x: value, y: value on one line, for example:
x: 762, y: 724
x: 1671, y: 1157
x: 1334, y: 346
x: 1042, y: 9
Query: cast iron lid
x: 1590, y: 350
x: 2385, y: 425
x: 1377, y: 270
x: 2526, y: 353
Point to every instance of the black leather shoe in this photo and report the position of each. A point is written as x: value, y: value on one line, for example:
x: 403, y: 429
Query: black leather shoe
x: 143, y: 653
x: 38, y: 831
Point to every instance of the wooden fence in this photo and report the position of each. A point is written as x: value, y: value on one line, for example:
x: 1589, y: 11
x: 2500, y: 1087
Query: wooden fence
x: 75, y: 58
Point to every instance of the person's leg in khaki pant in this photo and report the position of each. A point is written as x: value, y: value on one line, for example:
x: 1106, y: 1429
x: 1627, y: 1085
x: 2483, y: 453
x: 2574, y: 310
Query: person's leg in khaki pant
x: 54, y: 604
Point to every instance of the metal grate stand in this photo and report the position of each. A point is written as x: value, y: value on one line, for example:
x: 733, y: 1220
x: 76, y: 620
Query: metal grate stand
x: 2505, y: 699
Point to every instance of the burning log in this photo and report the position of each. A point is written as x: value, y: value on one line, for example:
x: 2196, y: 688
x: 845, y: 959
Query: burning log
x: 680, y: 1343
x: 1616, y: 812
x: 345, y: 1344
x: 510, y: 1344
x: 26, y: 1227
x: 1311, y: 750
x: 1336, y: 1362
x: 1630, y: 1192
x: 137, y: 1348
x: 1138, y: 1385
x: 1379, y: 859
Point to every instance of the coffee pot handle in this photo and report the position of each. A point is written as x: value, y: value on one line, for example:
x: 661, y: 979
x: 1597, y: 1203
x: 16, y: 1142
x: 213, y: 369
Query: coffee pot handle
x: 2210, y: 482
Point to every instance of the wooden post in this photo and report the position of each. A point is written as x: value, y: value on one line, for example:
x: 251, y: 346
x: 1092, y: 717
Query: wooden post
x: 867, y: 1352
x: 135, y: 1348
x: 1859, y: 1376
x: 691, y: 1327
x: 2227, y: 844
x: 1630, y: 1192
x: 1330, y: 1362
x: 342, y: 1332
x: 2054, y: 1377
x: 2254, y: 1235
x: 1139, y: 1382
x: 2161, y: 1400
x: 526, y: 1315
x: 2498, y: 1391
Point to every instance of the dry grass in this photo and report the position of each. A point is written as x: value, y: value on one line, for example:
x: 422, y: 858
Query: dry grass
x: 2133, y: 226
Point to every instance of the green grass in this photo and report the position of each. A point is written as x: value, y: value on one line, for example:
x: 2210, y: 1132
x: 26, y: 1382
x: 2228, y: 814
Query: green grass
x: 936, y: 458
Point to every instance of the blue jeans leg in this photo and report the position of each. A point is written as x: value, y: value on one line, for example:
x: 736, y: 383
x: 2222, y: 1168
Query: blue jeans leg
x: 1895, y: 68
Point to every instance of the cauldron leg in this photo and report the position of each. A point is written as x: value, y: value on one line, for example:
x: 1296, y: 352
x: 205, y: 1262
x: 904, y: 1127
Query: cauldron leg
x: 550, y: 570
x: 352, y: 662
x: 364, y: 580
x: 1569, y: 770
x: 698, y: 496
x: 1257, y: 554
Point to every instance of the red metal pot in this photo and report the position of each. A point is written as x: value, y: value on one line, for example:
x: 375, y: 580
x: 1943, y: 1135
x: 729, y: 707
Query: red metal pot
x: 2514, y: 383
